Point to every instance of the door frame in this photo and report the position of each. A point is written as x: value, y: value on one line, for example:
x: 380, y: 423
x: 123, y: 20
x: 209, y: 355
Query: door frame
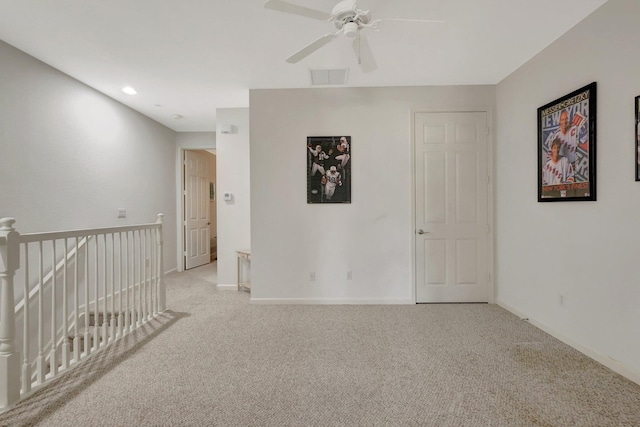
x: 491, y: 297
x: 180, y: 200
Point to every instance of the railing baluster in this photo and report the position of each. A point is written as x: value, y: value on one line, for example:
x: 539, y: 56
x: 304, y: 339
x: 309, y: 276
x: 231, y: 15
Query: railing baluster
x: 150, y: 313
x: 53, y: 362
x: 96, y: 308
x: 26, y: 366
x: 140, y: 268
x: 112, y: 323
x: 127, y: 316
x: 40, y: 361
x: 134, y: 309
x: 162, y: 297
x: 76, y: 307
x: 105, y: 318
x: 145, y: 308
x: 153, y: 275
x: 141, y: 277
x: 139, y: 289
x: 65, y: 317
x: 87, y: 332
x: 147, y: 238
x: 121, y: 266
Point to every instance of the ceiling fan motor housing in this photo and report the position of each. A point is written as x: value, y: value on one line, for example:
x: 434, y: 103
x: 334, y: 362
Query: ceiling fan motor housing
x: 346, y: 12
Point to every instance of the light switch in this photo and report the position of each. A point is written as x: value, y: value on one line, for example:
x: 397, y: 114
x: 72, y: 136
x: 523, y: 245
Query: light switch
x: 122, y: 213
x: 228, y: 197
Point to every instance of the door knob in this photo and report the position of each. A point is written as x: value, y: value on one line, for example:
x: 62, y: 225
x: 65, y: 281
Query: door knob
x: 421, y: 231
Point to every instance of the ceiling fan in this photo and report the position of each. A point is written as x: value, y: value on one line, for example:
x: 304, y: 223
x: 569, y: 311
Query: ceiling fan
x: 348, y: 19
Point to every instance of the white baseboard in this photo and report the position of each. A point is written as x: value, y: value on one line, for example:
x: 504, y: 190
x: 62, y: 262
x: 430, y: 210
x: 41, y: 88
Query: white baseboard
x: 330, y: 301
x: 222, y: 287
x: 170, y: 271
x: 607, y: 361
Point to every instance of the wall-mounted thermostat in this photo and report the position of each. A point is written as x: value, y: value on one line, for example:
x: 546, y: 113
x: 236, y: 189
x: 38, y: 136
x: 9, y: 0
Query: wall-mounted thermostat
x: 228, y: 197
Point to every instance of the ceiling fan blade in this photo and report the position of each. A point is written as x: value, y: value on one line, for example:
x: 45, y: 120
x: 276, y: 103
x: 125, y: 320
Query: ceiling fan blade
x: 283, y: 6
x: 312, y: 47
x: 346, y: 4
x: 427, y: 21
x: 364, y: 54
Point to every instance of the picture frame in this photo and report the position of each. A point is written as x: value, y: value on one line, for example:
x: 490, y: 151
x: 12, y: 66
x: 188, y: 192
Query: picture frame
x: 637, y: 136
x: 328, y: 169
x: 567, y: 147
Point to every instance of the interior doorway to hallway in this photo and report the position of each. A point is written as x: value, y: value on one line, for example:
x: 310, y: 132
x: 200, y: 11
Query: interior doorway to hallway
x: 198, y: 208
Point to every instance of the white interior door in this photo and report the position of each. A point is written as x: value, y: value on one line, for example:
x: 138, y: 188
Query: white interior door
x: 452, y: 226
x: 196, y: 209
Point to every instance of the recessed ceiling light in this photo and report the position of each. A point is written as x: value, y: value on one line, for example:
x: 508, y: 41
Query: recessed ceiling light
x: 129, y: 90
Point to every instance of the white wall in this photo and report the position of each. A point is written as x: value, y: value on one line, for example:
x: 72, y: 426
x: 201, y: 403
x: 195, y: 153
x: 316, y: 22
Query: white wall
x: 585, y: 251
x: 186, y: 141
x: 232, y: 161
x: 70, y: 156
x: 196, y: 140
x: 372, y: 236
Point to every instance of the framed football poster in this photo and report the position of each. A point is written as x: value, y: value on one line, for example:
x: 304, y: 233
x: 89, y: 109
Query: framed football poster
x: 329, y: 169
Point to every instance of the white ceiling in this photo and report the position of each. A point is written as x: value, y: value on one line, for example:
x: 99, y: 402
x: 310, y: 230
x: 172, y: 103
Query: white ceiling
x: 190, y: 57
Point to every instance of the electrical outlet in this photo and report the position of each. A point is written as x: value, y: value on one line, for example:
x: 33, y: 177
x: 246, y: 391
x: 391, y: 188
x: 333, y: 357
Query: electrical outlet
x: 312, y: 276
x: 349, y: 276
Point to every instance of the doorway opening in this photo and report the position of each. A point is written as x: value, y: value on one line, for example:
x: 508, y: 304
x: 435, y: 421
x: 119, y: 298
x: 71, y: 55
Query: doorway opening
x: 198, y: 208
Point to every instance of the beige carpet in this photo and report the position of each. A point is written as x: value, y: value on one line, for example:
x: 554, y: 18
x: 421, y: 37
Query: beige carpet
x: 215, y: 359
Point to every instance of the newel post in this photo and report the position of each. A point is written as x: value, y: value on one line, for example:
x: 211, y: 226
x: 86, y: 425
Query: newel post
x: 9, y: 357
x: 162, y: 292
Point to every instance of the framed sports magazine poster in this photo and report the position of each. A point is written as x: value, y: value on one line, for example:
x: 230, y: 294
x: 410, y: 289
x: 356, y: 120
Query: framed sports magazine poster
x: 567, y: 147
x: 637, y: 134
x: 328, y: 169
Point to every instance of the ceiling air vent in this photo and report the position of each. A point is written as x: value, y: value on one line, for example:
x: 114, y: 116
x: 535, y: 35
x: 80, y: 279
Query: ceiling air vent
x: 328, y: 77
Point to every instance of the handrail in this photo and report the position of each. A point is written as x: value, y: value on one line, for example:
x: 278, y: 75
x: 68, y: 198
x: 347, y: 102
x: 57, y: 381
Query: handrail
x: 113, y: 274
x: 55, y: 235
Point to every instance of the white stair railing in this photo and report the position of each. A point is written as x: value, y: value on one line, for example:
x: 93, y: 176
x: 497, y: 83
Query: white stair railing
x: 101, y: 284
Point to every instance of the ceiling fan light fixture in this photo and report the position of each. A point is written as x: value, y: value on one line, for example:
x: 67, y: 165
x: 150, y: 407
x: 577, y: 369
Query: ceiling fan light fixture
x: 350, y: 29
